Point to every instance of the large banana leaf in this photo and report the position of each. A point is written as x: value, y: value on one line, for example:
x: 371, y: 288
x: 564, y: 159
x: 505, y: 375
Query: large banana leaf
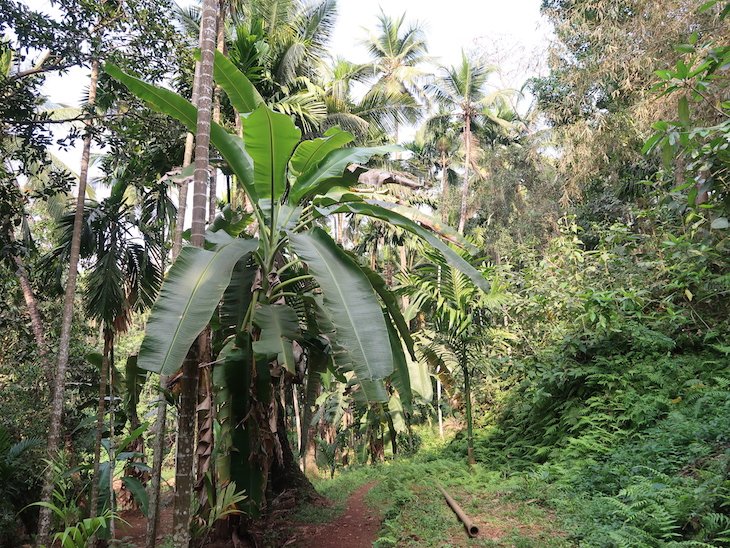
x: 395, y: 409
x: 242, y: 94
x: 351, y: 303
x: 192, y: 290
x: 172, y: 104
x: 270, y: 138
x: 309, y: 153
x: 279, y: 326
x: 237, y: 297
x: 396, y: 219
x: 401, y: 376
x: 391, y: 304
x: 328, y: 171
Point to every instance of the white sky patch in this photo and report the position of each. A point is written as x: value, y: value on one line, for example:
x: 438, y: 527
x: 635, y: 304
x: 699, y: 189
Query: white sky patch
x: 512, y: 34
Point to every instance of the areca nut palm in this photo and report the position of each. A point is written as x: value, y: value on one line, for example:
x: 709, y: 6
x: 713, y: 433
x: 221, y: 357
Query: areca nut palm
x: 290, y: 284
x: 458, y: 322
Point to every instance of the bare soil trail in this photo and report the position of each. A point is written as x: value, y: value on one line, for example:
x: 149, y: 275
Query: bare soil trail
x: 357, y: 527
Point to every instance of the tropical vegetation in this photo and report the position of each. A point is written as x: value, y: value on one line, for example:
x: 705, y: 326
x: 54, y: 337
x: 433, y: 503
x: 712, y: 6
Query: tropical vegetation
x: 306, y: 339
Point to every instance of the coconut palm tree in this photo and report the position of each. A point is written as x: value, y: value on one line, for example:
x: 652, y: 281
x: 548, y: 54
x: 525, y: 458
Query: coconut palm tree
x: 461, y: 92
x: 397, y: 51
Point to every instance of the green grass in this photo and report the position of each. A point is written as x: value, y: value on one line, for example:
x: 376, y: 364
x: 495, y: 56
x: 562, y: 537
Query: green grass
x: 415, y: 513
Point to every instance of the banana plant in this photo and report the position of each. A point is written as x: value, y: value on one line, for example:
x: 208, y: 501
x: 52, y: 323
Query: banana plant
x: 290, y: 296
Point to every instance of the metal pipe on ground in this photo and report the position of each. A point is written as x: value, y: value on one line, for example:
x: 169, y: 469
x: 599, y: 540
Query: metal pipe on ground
x: 471, y: 529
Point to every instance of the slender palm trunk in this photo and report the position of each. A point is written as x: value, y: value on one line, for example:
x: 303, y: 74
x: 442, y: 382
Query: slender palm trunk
x: 100, y: 412
x: 184, y: 479
x: 444, y: 187
x: 469, y: 420
x: 182, y: 204
x: 54, y: 431
x: 405, y: 301
x: 220, y: 46
x: 161, y: 417
x: 467, y: 164
x: 438, y: 406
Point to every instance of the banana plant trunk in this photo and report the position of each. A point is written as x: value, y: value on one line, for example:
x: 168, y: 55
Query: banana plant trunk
x: 58, y: 389
x: 184, y: 478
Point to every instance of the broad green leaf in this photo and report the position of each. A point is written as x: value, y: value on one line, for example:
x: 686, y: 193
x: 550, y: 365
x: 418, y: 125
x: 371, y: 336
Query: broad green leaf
x: 279, y: 326
x: 395, y: 408
x: 242, y: 94
x: 351, y: 303
x: 420, y: 380
x: 683, y: 107
x: 400, y: 377
x: 138, y: 492
x: 309, y: 153
x: 237, y: 297
x: 270, y: 138
x: 372, y: 391
x: 396, y: 219
x: 391, y: 304
x: 247, y: 452
x: 189, y: 295
x: 329, y: 171
x: 172, y: 104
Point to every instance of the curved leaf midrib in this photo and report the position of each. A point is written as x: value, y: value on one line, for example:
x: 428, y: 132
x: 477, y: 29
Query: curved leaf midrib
x: 347, y: 308
x: 319, y: 146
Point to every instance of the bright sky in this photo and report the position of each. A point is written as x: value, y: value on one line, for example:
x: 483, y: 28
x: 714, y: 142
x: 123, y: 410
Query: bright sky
x: 512, y: 32
x: 450, y: 25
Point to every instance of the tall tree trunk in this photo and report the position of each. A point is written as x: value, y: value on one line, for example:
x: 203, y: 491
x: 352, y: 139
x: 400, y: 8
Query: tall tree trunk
x: 467, y: 164
x: 184, y: 480
x: 444, y: 188
x: 36, y: 321
x: 100, y: 411
x: 56, y: 420
x: 221, y: 47
x: 158, y: 433
x: 438, y: 406
x: 469, y: 420
x: 182, y: 201
x: 112, y: 450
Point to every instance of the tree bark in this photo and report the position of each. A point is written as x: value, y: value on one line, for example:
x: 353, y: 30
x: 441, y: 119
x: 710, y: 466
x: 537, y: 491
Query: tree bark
x: 467, y: 163
x: 56, y: 420
x: 444, y: 188
x: 161, y: 418
x: 469, y: 420
x: 182, y: 201
x: 36, y: 321
x: 184, y: 479
x: 100, y: 411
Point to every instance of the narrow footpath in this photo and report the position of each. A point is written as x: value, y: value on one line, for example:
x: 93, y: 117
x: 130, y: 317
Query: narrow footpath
x: 357, y: 527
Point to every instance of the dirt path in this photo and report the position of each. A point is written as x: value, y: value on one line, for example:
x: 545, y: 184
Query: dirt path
x: 357, y: 527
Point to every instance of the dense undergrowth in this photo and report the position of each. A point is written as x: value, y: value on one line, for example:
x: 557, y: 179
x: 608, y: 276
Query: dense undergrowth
x: 602, y: 408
